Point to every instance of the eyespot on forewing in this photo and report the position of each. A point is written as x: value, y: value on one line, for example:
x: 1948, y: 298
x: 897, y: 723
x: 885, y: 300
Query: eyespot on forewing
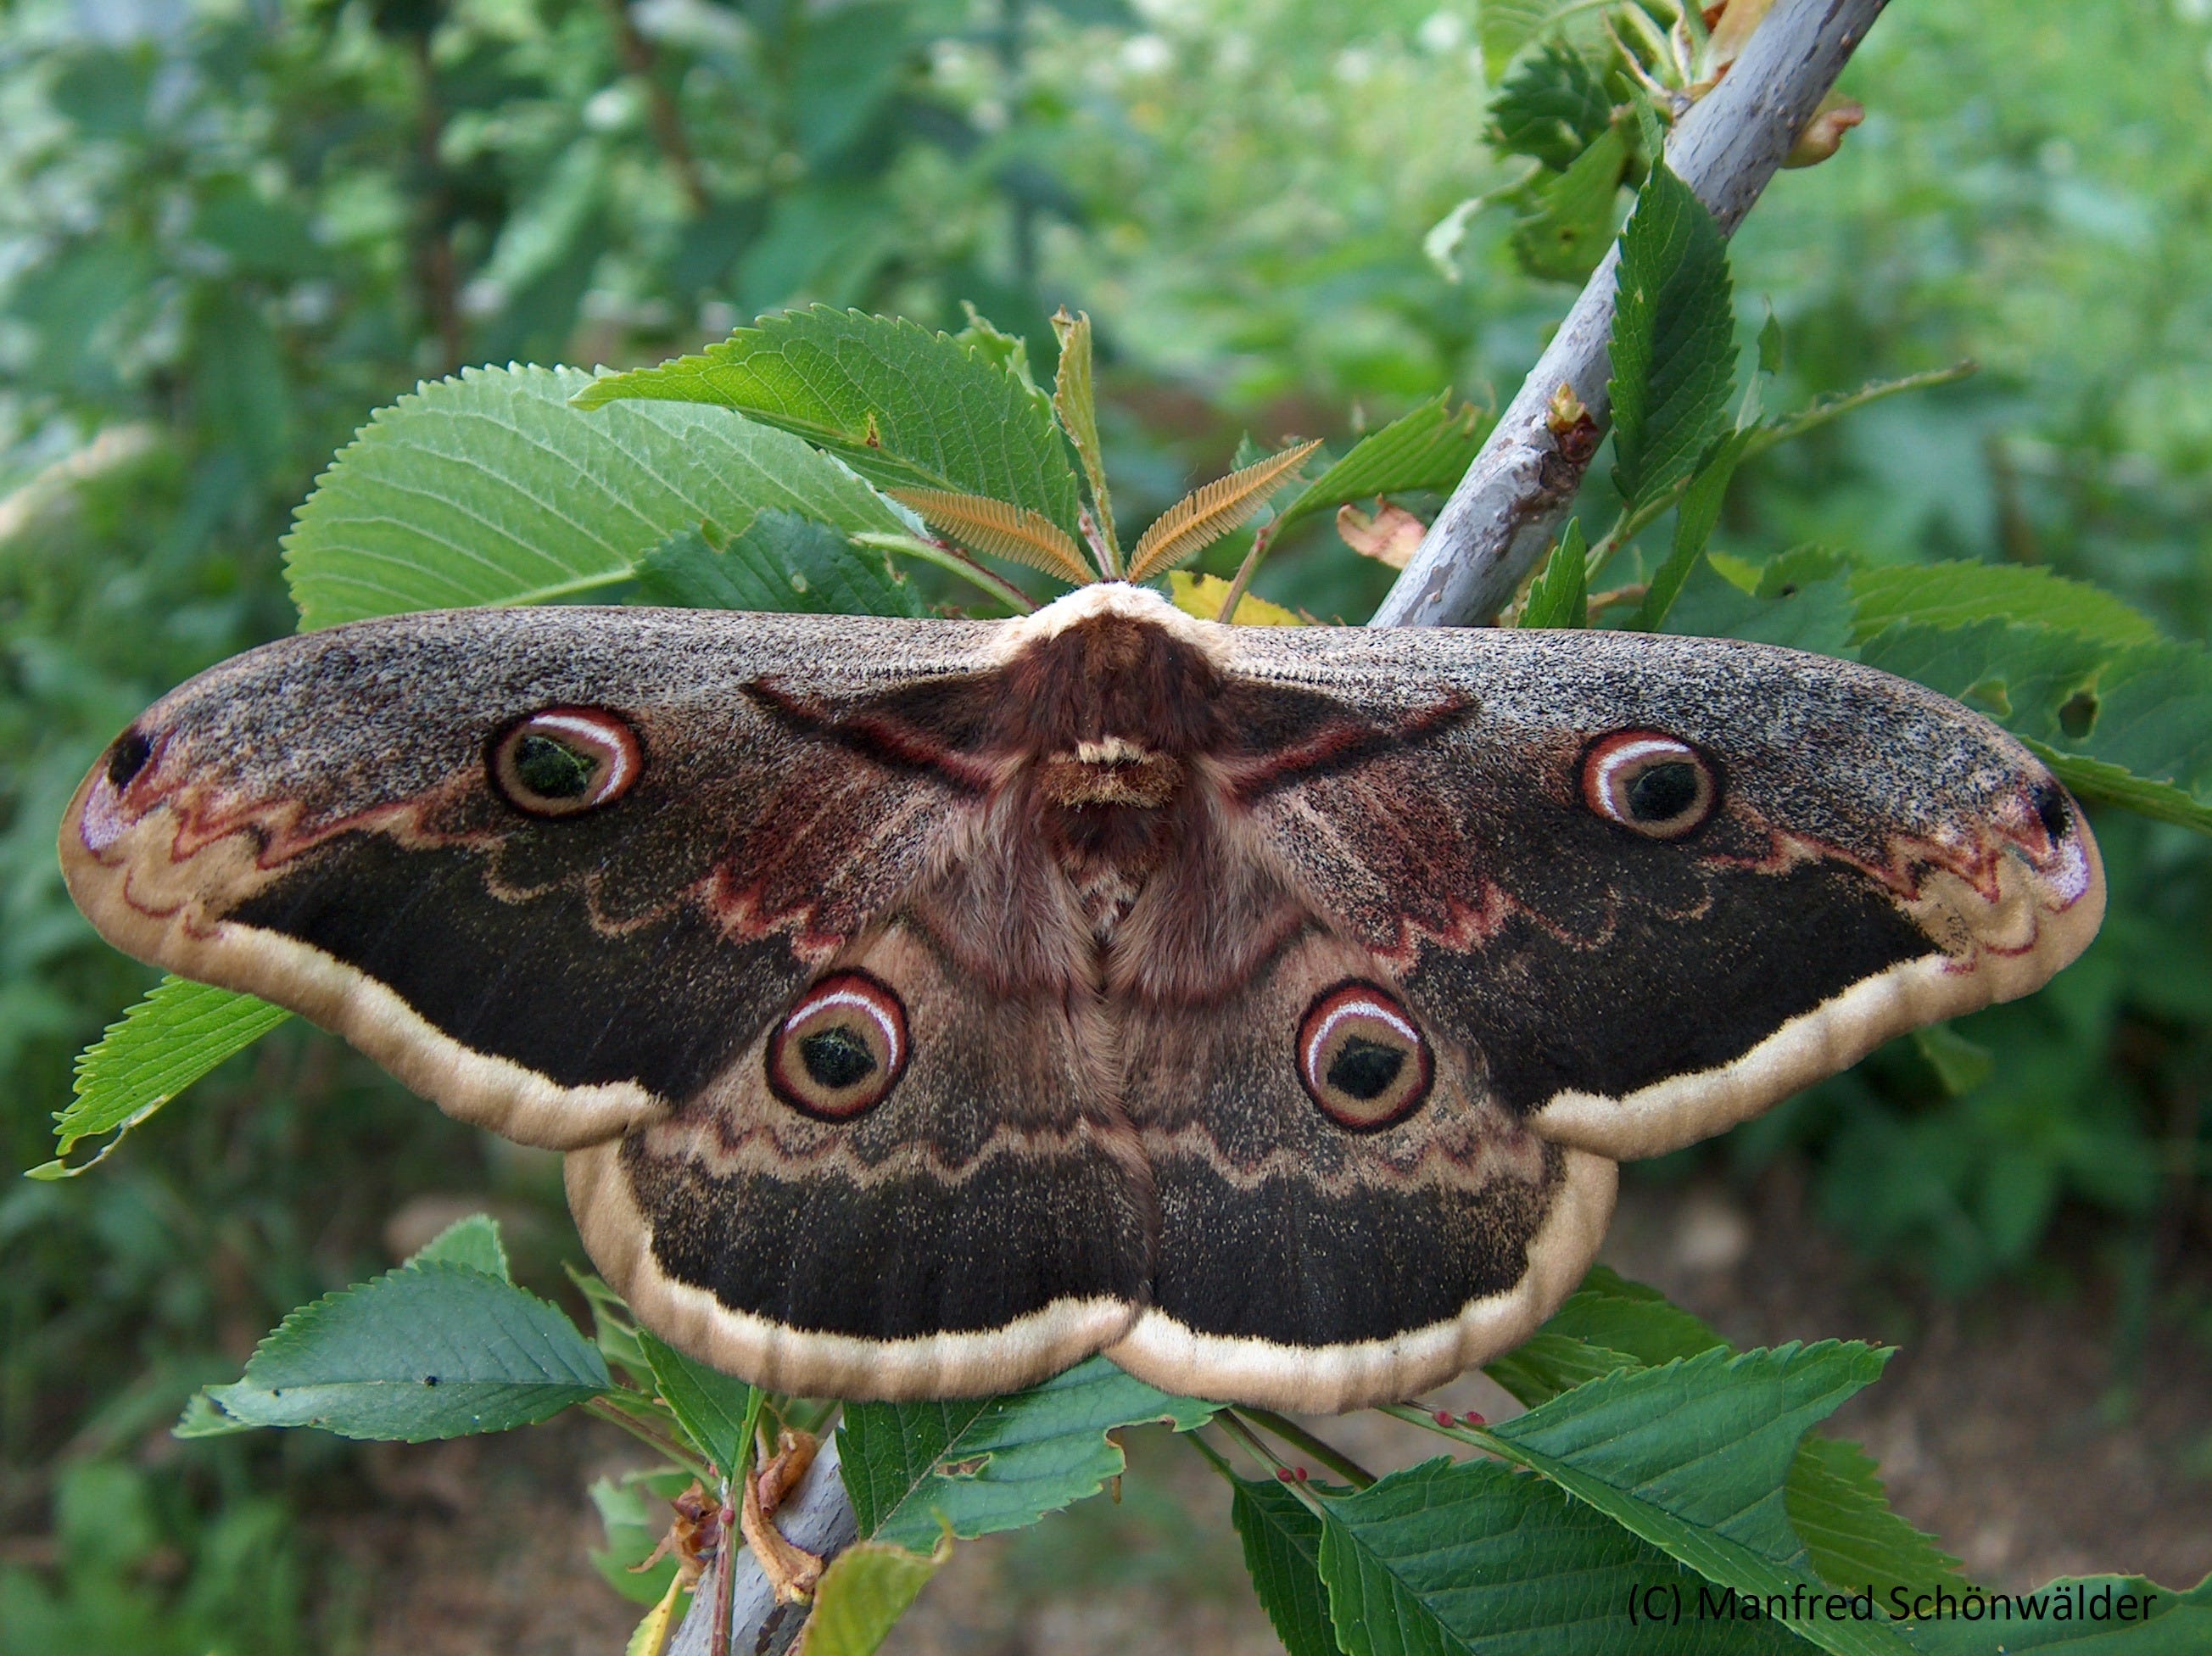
x: 1651, y: 783
x: 566, y: 761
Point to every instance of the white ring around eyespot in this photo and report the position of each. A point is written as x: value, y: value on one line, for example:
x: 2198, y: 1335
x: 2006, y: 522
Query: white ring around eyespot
x: 1630, y: 753
x: 601, y: 731
x: 806, y: 1009
x: 1374, y: 1009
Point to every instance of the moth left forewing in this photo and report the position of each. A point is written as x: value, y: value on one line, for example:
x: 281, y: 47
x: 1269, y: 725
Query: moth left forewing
x: 1658, y: 884
x: 549, y: 867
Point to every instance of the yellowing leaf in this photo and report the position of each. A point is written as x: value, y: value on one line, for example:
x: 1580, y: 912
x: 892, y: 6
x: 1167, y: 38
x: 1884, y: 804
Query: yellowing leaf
x: 1002, y: 530
x: 1204, y: 515
x: 1076, y: 404
x: 1202, y: 595
x: 651, y: 1638
x: 864, y: 1592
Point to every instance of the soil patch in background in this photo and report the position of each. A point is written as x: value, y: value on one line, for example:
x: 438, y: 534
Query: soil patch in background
x: 2004, y: 1426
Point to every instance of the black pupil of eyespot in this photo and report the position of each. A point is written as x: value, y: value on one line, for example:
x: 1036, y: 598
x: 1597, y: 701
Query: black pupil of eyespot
x: 836, y: 1057
x: 128, y: 758
x: 1663, y: 791
x: 2050, y: 810
x: 553, y: 770
x: 1363, y: 1069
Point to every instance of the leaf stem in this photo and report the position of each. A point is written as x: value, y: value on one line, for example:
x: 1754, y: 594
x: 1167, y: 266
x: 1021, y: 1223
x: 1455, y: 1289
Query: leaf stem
x: 1229, y: 1421
x: 616, y: 1414
x: 1326, y: 1453
x: 1244, y: 572
x: 951, y: 557
x: 1474, y: 1436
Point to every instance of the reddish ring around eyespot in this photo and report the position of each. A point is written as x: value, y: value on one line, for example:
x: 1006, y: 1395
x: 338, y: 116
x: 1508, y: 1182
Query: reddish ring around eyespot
x: 1361, y: 1058
x: 1649, y: 782
x: 841, y: 1049
x: 566, y: 760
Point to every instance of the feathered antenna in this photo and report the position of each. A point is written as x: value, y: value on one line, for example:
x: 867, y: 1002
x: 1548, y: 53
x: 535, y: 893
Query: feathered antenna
x: 990, y: 526
x: 1204, y: 515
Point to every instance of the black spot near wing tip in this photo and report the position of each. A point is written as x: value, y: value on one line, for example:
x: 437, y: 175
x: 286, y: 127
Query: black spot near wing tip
x: 2051, y: 809
x: 128, y: 757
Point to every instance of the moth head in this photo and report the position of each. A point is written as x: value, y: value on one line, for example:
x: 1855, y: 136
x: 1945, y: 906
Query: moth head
x: 565, y: 761
x: 1362, y: 1057
x: 841, y: 1049
x: 1649, y: 782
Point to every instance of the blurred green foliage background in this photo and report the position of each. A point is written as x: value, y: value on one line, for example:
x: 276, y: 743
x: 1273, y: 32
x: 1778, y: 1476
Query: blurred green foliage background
x: 229, y: 229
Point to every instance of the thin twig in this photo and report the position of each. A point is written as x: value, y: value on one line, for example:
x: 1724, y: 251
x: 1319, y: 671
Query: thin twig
x: 664, y: 1445
x: 1506, y: 511
x: 1258, y: 550
x: 1326, y: 1453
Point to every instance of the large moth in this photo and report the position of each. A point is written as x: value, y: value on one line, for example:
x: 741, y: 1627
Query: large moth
x: 924, y: 1006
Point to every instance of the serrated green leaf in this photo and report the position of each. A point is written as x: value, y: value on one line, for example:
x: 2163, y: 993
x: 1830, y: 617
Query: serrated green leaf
x: 993, y: 1463
x: 1560, y: 596
x: 1075, y: 404
x: 781, y: 562
x: 1503, y: 27
x: 1428, y: 449
x: 1954, y: 594
x: 1548, y: 1364
x: 1674, y: 338
x: 863, y: 1593
x: 1695, y: 521
x: 491, y: 488
x: 2061, y: 1618
x: 1550, y: 109
x: 2112, y: 784
x: 1567, y: 218
x: 612, y: 1331
x: 711, y: 1406
x: 903, y: 406
x: 1282, y: 1553
x: 472, y: 1241
x: 1812, y: 614
x: 1692, y: 1458
x: 159, y: 1047
x: 423, y: 1352
x: 1475, y: 1559
x: 1841, y: 1513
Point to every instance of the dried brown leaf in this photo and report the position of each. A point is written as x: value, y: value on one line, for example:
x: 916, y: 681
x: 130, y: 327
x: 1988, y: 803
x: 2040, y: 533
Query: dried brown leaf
x: 1204, y: 515
x: 985, y: 525
x: 1389, y: 537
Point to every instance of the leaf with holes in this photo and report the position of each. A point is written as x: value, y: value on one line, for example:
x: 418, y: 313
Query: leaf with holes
x: 491, y: 488
x: 427, y: 1351
x: 993, y: 1463
x: 904, y: 407
x: 159, y: 1047
x: 1673, y: 339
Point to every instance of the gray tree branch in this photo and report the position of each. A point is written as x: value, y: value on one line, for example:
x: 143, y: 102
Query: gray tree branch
x: 818, y: 1516
x: 1508, y: 509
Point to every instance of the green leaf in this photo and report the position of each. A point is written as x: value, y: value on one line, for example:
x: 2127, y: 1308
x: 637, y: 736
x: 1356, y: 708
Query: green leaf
x: 1282, y: 1552
x: 1566, y: 219
x: 1954, y: 594
x: 1769, y: 344
x: 1548, y: 1364
x: 863, y: 1593
x: 636, y: 1514
x: 426, y: 1351
x: 1075, y: 404
x: 1840, y: 1511
x: 491, y: 488
x: 1695, y: 521
x: 993, y: 1463
x: 1692, y: 1458
x: 159, y: 1047
x: 902, y: 405
x: 1674, y: 338
x: 1960, y: 1064
x: 472, y: 1241
x: 2074, y: 1616
x: 1560, y: 597
x: 1812, y: 612
x: 711, y: 1406
x: 2100, y: 783
x: 203, y: 1419
x: 1551, y: 108
x: 1474, y: 1558
x: 781, y: 562
x: 1428, y: 449
x: 1503, y: 27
